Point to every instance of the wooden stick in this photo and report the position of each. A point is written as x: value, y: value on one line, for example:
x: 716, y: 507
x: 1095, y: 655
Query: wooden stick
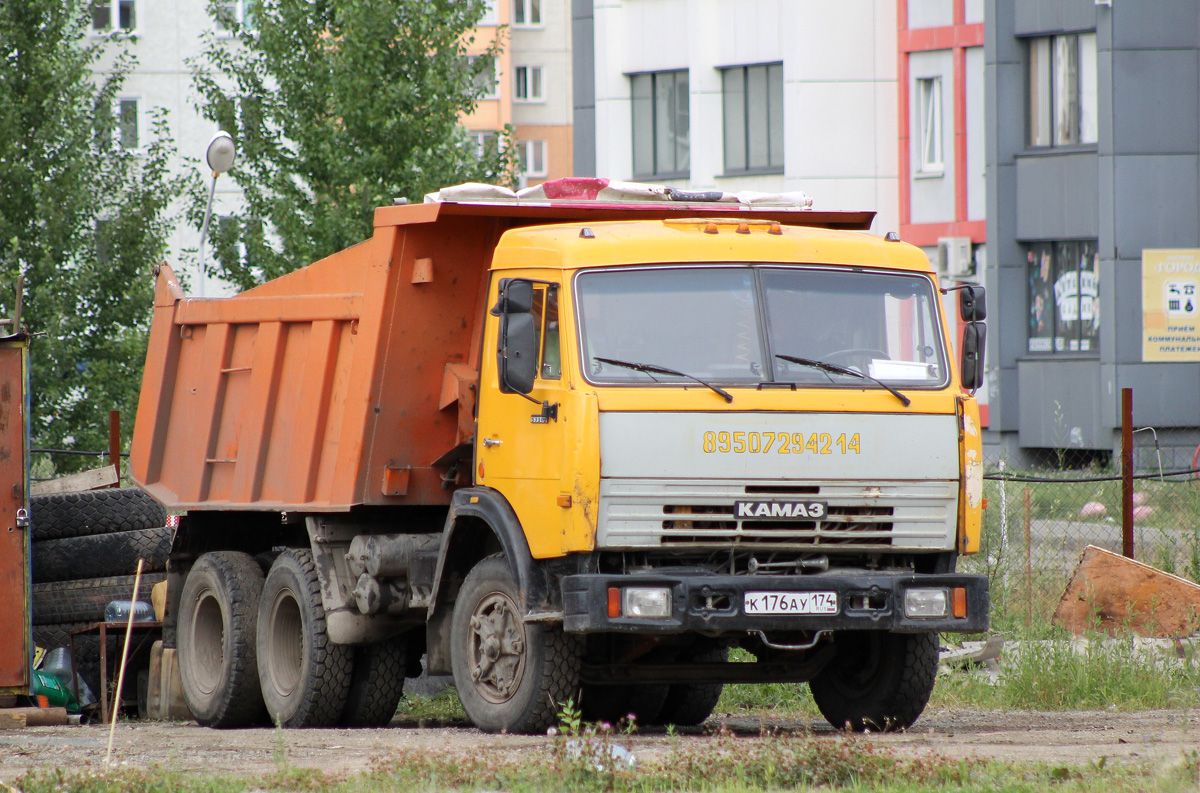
x: 112, y: 730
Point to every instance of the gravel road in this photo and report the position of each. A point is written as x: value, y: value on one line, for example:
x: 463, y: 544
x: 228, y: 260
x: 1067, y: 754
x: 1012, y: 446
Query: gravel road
x: 1072, y: 737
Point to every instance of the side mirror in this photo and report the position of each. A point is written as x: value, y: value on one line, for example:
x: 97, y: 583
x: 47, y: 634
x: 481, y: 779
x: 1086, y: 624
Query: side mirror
x: 518, y: 352
x: 972, y: 303
x: 971, y: 365
x: 516, y: 297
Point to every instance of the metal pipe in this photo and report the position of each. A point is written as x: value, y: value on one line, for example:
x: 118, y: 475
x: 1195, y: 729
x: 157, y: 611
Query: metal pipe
x: 1127, y: 472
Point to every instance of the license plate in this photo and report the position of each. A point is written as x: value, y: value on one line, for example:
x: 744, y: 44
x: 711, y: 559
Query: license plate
x: 780, y: 510
x: 790, y: 603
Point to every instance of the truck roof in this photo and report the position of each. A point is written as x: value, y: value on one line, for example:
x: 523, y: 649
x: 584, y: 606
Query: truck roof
x: 575, y: 245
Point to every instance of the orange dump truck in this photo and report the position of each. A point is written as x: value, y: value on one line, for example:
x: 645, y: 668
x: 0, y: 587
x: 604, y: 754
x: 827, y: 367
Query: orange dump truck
x: 569, y: 448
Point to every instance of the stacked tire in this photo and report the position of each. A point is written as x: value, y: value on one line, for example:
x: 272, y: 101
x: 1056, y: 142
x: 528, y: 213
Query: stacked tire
x: 86, y: 548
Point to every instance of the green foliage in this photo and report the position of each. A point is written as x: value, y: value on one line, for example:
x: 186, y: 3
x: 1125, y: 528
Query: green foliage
x: 339, y: 107
x: 81, y: 218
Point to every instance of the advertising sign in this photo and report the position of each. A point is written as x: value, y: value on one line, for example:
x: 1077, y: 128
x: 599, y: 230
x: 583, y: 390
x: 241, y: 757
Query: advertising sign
x: 1171, y: 304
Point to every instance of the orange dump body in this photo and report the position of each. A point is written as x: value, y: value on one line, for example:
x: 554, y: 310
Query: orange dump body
x: 350, y: 381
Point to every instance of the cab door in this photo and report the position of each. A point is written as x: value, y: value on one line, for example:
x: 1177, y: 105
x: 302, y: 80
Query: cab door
x: 14, y: 518
x: 520, y: 438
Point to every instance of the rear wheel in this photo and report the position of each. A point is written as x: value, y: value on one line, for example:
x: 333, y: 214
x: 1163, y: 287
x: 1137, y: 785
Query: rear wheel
x: 689, y: 704
x: 878, y: 680
x: 305, y: 678
x: 613, y: 703
x: 376, y: 684
x: 218, y: 614
x: 510, y: 674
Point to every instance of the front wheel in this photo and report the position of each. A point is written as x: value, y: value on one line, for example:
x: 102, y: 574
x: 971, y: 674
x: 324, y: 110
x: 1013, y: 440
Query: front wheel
x: 510, y: 675
x: 878, y: 680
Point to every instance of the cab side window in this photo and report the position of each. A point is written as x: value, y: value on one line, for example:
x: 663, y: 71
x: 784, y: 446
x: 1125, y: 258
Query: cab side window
x: 551, y: 358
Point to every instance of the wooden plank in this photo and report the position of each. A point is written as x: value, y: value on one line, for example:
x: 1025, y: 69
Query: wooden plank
x: 75, y: 483
x: 1111, y: 593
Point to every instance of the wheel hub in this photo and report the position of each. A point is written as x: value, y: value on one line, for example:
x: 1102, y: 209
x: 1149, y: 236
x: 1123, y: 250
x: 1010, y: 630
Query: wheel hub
x: 497, y: 648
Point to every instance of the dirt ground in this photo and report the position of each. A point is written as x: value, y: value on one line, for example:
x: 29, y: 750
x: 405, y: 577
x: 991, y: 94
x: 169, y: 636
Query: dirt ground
x: 1071, y: 738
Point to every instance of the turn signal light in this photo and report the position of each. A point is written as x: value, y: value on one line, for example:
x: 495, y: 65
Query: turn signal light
x: 614, y: 602
x: 958, y: 602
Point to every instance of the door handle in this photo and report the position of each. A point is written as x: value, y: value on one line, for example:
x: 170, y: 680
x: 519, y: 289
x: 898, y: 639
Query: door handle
x: 492, y: 441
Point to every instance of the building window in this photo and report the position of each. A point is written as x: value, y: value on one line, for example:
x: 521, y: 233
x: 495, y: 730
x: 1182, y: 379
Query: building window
x: 486, y: 142
x: 488, y: 80
x: 120, y: 15
x: 533, y: 158
x: 660, y: 124
x: 527, y: 85
x: 231, y: 14
x: 1064, y: 297
x: 753, y: 108
x: 490, y: 16
x: 527, y: 13
x: 1062, y: 90
x: 119, y: 124
x: 929, y: 98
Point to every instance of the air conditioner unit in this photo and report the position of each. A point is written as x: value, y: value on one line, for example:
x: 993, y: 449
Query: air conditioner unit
x: 954, y: 256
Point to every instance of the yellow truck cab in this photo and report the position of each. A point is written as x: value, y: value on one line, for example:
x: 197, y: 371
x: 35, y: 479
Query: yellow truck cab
x: 683, y: 425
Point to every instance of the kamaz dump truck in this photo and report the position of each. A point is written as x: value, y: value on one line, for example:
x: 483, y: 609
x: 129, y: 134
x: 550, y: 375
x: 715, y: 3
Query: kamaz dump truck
x: 569, y: 449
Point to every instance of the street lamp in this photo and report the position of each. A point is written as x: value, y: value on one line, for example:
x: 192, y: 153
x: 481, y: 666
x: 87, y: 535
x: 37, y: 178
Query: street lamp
x: 220, y: 155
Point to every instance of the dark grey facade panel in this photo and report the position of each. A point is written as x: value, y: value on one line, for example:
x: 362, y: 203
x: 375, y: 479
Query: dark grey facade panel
x: 1157, y: 196
x: 1009, y: 316
x: 583, y: 83
x: 1155, y: 24
x: 1003, y: 406
x: 1039, y: 17
x: 1005, y: 86
x: 1164, y: 394
x: 1056, y: 197
x: 1158, y: 106
x: 1121, y: 311
x: 1060, y: 408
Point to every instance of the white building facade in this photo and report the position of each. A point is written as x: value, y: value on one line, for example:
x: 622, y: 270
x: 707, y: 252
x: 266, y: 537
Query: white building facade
x: 769, y: 95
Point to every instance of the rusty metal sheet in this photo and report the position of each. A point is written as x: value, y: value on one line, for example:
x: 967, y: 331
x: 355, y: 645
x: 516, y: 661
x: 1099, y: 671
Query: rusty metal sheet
x: 14, y: 511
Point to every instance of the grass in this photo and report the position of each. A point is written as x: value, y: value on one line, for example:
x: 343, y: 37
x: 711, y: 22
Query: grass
x: 721, y: 763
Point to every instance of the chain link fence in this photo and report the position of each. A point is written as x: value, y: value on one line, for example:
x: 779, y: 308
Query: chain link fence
x: 1038, y: 522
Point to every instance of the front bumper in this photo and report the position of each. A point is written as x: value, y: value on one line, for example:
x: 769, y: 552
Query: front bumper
x: 706, y: 602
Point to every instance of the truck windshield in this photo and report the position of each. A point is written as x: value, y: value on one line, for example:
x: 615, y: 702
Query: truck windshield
x: 727, y: 323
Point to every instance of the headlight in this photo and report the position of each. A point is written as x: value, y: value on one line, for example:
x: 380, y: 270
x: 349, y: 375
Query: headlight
x: 925, y: 603
x: 648, y: 602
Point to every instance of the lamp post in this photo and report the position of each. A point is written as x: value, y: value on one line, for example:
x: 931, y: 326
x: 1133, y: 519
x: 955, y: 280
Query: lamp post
x: 220, y: 156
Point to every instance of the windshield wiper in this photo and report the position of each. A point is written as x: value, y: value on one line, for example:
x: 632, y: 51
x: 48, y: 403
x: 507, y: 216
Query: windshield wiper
x: 649, y: 368
x: 832, y: 367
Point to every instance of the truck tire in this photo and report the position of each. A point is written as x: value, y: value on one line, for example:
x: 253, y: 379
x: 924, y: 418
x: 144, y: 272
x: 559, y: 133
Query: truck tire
x: 877, y: 681
x: 510, y: 675
x: 218, y: 662
x: 84, y: 600
x: 376, y: 684
x: 613, y: 703
x: 689, y: 704
x: 305, y: 677
x: 102, y: 554
x: 61, y: 515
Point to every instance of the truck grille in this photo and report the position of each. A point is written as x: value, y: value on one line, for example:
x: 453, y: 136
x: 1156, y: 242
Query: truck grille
x: 884, y: 515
